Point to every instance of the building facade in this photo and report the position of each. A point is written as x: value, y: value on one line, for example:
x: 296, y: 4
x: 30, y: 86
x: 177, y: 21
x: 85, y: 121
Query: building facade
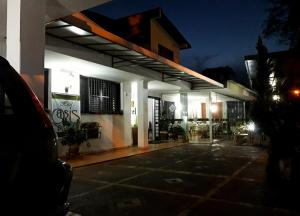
x: 94, y: 71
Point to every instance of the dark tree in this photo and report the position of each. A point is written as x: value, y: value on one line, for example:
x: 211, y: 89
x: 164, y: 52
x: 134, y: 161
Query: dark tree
x: 261, y: 105
x: 276, y: 114
x: 283, y: 21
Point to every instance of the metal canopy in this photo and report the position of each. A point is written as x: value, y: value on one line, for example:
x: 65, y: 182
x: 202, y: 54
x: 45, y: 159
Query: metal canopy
x: 82, y: 31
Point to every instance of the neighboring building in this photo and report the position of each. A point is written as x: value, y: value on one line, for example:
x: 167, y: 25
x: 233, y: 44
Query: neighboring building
x: 286, y: 62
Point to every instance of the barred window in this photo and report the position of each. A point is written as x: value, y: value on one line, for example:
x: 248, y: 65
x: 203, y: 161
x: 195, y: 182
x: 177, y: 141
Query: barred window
x: 99, y: 96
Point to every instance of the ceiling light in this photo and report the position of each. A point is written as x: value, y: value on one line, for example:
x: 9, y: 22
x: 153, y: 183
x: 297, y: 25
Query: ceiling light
x: 77, y: 30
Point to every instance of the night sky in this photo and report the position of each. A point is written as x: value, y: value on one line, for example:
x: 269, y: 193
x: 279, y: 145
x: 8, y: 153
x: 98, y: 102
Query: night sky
x: 221, y: 32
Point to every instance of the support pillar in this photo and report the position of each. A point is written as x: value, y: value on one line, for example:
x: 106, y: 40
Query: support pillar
x: 244, y: 110
x: 142, y: 112
x: 26, y: 41
x: 184, y: 109
x: 126, y: 101
x: 3, y: 8
x: 210, y: 117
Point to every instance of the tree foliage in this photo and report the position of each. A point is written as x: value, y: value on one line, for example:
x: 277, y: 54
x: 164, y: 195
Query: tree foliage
x: 283, y: 22
x: 260, y: 112
x: 277, y: 117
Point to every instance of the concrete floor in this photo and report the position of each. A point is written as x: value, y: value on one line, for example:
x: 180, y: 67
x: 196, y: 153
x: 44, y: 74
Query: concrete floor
x: 193, y: 179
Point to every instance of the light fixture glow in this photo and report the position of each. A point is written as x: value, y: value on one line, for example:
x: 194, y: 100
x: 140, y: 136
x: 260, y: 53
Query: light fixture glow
x: 214, y: 108
x: 77, y: 30
x: 272, y: 81
x: 296, y: 92
x: 276, y: 98
x: 251, y: 126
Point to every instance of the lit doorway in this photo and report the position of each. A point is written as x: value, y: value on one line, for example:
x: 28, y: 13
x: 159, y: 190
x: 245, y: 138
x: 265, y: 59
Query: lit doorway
x: 153, y: 119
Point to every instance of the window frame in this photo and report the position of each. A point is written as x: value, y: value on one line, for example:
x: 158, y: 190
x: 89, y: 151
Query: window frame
x: 101, y: 97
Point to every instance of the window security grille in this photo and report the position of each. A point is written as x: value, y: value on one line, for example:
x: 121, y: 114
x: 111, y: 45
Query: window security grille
x: 99, y: 96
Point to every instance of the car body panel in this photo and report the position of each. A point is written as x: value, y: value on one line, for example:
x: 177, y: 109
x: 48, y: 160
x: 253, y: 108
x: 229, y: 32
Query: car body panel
x: 32, y: 178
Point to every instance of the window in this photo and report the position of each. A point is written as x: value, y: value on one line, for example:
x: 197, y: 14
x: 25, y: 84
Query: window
x: 165, y: 52
x: 99, y: 96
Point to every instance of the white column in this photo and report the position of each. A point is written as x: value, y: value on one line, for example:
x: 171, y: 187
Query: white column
x: 127, y: 112
x: 184, y: 109
x: 26, y: 40
x: 244, y: 110
x: 142, y: 112
x: 3, y: 8
x: 210, y: 117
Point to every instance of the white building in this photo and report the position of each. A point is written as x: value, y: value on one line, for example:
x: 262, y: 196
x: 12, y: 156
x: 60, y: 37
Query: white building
x: 98, y: 76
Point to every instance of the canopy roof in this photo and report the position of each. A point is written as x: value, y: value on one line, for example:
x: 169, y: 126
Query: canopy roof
x: 82, y: 31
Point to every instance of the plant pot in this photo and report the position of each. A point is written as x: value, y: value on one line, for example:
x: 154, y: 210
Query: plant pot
x: 73, y: 151
x: 134, y: 136
x: 180, y: 138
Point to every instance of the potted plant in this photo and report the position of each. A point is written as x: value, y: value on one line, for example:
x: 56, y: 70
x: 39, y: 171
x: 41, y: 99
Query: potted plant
x: 92, y: 129
x: 73, y: 136
x: 177, y: 132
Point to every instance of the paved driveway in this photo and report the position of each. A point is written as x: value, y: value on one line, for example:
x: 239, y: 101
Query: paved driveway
x: 193, y: 179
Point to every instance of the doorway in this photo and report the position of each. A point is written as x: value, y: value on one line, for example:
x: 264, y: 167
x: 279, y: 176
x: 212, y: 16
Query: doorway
x: 153, y: 119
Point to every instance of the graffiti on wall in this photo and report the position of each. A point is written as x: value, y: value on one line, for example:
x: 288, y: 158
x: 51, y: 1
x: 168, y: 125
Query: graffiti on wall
x: 64, y: 108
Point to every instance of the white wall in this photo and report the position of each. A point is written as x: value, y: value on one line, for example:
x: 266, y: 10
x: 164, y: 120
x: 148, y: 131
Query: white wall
x: 142, y: 111
x: 157, y: 94
x: 95, y: 145
x: 112, y: 132
x: 194, y: 105
x: 224, y: 110
x: 76, y: 51
x: 3, y: 5
x: 25, y: 40
x: 127, y: 113
x: 3, y: 9
x: 66, y: 70
x: 59, y: 63
x: 2, y: 47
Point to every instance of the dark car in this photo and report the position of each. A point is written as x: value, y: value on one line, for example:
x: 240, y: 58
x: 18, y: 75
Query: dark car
x: 33, y: 181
